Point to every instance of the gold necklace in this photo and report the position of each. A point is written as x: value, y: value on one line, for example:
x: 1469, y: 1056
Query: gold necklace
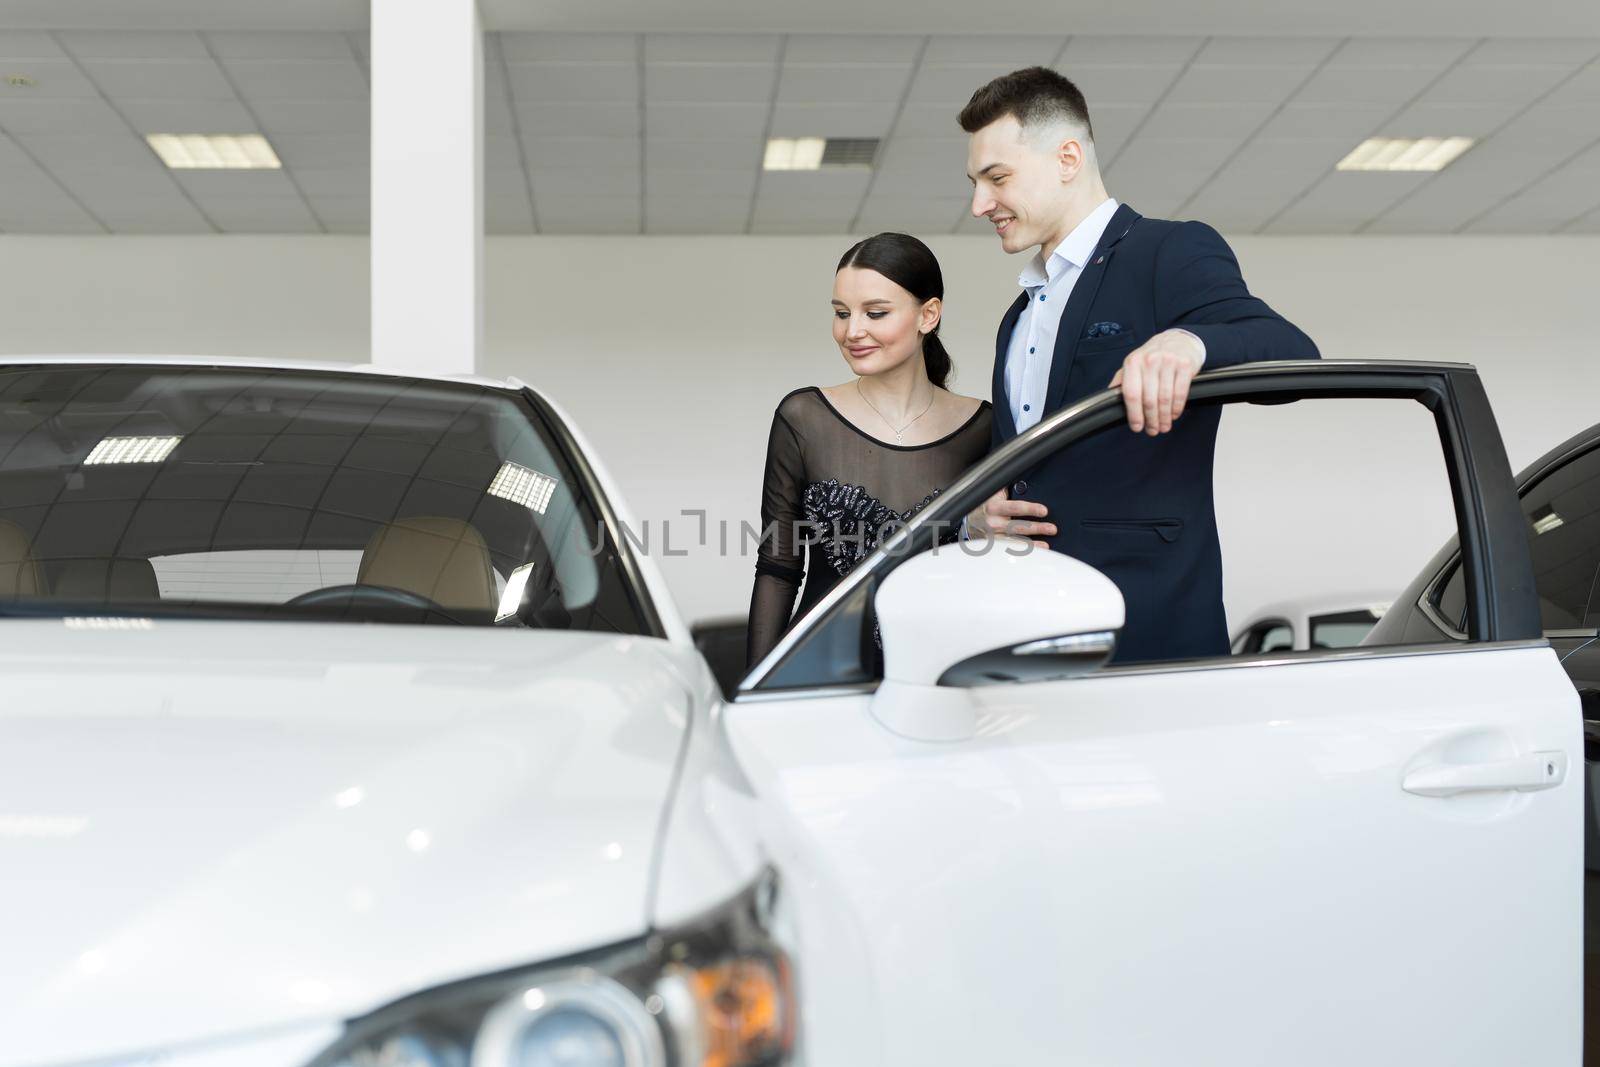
x: 886, y: 422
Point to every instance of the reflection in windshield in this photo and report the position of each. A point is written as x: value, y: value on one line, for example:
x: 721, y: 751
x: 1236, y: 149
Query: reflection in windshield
x: 274, y: 493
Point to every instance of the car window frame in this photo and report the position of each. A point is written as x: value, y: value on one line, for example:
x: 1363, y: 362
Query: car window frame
x: 1502, y: 606
x: 1259, y: 629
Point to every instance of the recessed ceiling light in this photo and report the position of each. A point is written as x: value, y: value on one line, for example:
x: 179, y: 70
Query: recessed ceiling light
x: 816, y: 153
x: 131, y: 450
x: 1405, y: 153
x: 20, y: 81
x: 794, y: 153
x: 214, y: 151
x: 520, y: 485
x: 1546, y: 519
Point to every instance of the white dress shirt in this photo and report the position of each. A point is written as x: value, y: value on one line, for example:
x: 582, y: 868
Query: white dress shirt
x: 1048, y: 281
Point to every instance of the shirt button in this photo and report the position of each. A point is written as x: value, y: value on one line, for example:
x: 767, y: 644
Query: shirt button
x: 1026, y: 408
x: 1041, y: 296
x: 1019, y: 488
x: 1030, y: 351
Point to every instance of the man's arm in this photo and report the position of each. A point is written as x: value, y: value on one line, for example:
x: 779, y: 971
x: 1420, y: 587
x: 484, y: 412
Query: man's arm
x: 1198, y: 288
x: 1206, y: 317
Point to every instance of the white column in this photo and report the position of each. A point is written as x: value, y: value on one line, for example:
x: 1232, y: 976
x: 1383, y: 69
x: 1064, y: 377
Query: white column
x: 427, y: 185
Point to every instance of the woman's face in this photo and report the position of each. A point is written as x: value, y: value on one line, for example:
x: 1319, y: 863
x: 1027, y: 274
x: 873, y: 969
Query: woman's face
x: 876, y: 324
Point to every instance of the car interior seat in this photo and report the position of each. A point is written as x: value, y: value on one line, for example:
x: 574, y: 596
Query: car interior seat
x: 103, y: 581
x: 443, y: 559
x: 20, y: 573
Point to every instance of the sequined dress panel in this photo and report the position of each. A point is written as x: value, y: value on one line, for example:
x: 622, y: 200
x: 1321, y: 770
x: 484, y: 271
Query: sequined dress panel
x: 830, y: 493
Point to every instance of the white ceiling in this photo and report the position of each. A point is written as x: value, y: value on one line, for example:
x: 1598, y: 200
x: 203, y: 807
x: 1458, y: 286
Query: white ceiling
x: 663, y: 132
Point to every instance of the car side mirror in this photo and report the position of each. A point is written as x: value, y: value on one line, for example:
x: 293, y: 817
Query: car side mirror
x: 961, y: 616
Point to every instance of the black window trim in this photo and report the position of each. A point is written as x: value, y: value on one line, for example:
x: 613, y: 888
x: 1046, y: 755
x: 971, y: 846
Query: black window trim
x: 1503, y: 605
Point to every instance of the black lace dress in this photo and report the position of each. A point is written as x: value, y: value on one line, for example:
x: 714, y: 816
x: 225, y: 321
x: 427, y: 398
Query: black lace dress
x: 831, y: 490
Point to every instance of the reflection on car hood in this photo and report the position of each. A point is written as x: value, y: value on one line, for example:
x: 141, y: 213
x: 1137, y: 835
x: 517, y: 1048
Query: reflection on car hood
x: 211, y: 828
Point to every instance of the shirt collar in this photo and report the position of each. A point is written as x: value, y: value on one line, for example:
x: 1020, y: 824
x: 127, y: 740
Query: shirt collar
x: 1073, y: 251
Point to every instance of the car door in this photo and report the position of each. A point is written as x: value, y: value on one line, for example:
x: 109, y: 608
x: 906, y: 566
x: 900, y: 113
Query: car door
x: 1326, y: 857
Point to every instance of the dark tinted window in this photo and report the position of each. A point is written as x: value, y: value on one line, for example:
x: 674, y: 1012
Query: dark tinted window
x: 260, y: 492
x: 1563, y: 511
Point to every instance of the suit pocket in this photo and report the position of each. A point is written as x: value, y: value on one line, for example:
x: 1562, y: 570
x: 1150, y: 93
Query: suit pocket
x: 1096, y: 362
x: 1137, y: 532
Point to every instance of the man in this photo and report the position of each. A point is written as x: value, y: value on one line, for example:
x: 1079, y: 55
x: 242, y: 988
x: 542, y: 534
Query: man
x: 1111, y: 299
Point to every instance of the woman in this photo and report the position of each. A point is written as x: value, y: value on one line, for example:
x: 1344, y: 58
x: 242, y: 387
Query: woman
x: 845, y: 462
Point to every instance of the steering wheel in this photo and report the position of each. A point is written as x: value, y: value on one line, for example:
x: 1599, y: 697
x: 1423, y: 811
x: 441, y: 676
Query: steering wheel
x: 354, y: 595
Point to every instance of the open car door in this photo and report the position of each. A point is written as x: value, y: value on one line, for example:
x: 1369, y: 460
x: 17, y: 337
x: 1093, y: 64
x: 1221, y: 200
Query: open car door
x: 1003, y: 852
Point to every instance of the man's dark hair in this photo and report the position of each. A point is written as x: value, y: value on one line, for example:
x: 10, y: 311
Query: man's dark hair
x: 1033, y: 96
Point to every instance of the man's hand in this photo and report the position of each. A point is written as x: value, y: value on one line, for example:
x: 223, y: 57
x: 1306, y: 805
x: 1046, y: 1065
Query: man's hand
x: 1001, y: 517
x: 1155, y: 380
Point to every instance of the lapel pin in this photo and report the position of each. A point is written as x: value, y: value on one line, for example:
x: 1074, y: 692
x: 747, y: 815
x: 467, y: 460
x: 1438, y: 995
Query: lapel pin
x: 1102, y: 259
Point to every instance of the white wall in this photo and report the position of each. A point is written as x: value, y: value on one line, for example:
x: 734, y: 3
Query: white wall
x: 672, y: 352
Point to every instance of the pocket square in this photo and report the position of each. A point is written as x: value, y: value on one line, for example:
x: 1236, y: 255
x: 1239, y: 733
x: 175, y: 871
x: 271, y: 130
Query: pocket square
x: 1102, y: 329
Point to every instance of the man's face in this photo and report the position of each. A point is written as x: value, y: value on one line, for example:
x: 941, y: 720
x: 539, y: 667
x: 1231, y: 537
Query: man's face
x: 1016, y: 184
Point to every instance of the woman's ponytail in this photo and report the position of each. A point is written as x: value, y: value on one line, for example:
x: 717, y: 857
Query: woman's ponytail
x: 936, y: 358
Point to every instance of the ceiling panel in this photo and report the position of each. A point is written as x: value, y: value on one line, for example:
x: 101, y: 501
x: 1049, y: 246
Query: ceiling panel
x: 575, y: 83
x: 187, y: 116
x: 260, y: 214
x: 582, y: 153
x: 51, y: 78
x: 1241, y: 131
x: 161, y: 214
x: 298, y: 79
x: 709, y: 183
x: 818, y: 83
x: 268, y: 45
x: 578, y: 120
x: 722, y: 122
x: 1345, y: 201
x: 132, y: 44
x: 587, y: 214
x: 708, y: 82
x: 869, y: 49
x: 833, y: 120
x: 351, y: 117
x: 19, y: 114
x: 153, y: 79
x: 666, y: 155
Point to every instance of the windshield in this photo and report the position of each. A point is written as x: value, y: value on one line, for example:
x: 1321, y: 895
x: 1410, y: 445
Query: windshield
x: 261, y: 493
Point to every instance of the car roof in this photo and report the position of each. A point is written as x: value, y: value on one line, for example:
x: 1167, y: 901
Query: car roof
x: 142, y: 360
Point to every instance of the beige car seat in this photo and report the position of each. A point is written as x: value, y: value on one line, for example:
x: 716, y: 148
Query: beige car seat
x: 442, y: 559
x: 20, y: 574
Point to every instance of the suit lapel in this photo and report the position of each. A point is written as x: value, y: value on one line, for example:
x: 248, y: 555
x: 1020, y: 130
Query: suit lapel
x: 1002, y: 344
x: 1076, y: 313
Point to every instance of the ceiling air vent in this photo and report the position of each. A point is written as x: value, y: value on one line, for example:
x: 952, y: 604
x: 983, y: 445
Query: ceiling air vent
x: 813, y: 153
x: 850, y: 152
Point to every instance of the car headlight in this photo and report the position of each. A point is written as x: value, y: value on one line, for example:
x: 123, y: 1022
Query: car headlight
x: 717, y: 992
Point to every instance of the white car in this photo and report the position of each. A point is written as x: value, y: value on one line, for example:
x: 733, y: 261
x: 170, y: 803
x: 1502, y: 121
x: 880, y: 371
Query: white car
x: 1333, y: 621
x: 343, y: 726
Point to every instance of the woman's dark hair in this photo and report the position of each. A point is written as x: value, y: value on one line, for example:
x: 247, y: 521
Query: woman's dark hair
x: 911, y: 265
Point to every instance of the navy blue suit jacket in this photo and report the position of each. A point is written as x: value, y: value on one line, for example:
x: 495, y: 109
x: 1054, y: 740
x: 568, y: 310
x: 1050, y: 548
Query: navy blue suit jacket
x: 1140, y: 508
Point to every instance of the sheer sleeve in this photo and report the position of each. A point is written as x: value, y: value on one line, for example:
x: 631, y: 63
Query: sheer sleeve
x: 780, y: 558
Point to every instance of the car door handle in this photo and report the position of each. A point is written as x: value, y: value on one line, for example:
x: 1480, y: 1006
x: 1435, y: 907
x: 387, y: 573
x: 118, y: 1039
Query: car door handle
x: 1536, y: 770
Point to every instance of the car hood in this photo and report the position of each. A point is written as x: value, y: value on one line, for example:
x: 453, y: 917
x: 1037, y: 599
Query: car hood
x: 208, y: 829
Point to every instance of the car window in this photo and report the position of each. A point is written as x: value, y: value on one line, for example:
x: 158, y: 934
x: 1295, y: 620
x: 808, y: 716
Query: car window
x: 1266, y: 636
x: 269, y: 493
x: 1563, y: 511
x: 1563, y: 514
x: 1343, y: 629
